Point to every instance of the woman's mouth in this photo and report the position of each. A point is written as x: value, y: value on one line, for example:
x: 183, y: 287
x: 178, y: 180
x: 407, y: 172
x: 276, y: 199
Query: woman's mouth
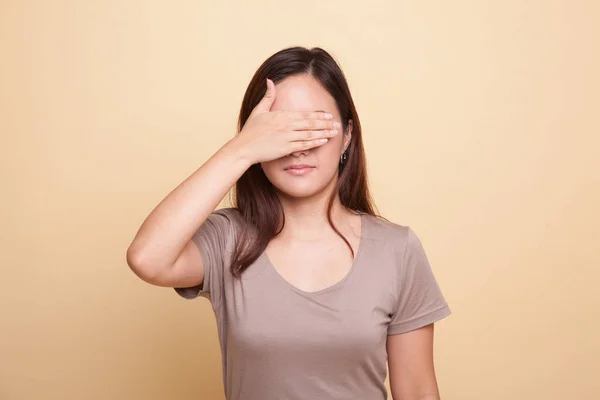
x: 299, y: 169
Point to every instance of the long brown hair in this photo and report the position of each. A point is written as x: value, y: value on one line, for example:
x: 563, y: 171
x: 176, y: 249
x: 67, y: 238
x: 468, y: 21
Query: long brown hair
x: 254, y: 195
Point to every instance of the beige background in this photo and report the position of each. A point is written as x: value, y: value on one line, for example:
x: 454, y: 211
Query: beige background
x: 481, y: 128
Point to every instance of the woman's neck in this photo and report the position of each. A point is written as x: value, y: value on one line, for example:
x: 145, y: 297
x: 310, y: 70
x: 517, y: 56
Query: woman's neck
x: 307, y: 218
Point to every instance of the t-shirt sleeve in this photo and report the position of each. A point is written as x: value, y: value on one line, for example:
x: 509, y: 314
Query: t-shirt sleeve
x: 420, y: 300
x: 216, y: 240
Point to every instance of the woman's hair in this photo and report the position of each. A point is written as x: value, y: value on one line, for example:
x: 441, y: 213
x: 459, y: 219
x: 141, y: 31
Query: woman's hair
x: 255, y: 196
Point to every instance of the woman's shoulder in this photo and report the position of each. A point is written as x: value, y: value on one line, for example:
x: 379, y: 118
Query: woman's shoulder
x: 230, y: 213
x: 388, y: 236
x: 384, y: 230
x: 227, y: 218
x: 221, y: 221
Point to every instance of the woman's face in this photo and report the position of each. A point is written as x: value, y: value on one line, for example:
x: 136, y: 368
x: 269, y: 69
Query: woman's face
x: 305, y: 93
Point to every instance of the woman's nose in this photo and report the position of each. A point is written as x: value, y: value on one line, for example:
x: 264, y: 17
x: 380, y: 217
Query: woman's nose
x: 300, y: 153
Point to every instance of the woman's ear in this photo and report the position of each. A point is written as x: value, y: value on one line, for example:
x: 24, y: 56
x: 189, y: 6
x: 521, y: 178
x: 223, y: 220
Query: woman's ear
x: 348, y: 134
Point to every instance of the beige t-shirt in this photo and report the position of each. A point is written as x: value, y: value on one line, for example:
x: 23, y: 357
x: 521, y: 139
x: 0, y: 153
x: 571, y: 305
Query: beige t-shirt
x: 279, y: 342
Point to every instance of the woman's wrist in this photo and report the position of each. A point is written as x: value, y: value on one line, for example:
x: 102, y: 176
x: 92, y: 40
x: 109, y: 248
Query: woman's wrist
x: 238, y: 153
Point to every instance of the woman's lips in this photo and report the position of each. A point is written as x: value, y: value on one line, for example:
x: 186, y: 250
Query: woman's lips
x: 302, y: 169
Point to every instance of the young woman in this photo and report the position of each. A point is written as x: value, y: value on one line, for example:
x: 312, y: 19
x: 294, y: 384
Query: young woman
x: 313, y: 293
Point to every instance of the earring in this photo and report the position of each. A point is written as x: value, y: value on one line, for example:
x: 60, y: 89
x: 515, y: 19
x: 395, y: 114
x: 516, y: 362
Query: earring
x: 344, y: 157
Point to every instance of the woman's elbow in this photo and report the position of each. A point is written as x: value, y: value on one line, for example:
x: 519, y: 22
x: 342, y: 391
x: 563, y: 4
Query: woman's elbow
x: 142, y: 265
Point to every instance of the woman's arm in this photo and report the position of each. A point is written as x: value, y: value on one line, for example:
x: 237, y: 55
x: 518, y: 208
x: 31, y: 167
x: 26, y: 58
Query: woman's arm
x: 410, y: 360
x: 162, y: 252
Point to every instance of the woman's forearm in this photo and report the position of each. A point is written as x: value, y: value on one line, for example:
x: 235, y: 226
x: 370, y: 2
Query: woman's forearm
x: 172, y: 223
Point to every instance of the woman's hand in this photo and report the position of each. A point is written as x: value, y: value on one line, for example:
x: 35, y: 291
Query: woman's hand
x: 268, y: 135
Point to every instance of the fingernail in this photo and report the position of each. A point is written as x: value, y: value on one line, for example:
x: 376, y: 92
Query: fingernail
x: 336, y: 124
x: 334, y: 132
x: 323, y: 140
x: 327, y: 116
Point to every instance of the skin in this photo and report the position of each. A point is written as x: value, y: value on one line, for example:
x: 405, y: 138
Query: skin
x: 283, y: 130
x: 308, y: 253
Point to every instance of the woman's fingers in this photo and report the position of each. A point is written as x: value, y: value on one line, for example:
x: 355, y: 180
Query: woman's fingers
x: 300, y: 136
x: 313, y: 124
x: 267, y: 101
x: 296, y: 115
x: 311, y: 120
x: 307, y: 144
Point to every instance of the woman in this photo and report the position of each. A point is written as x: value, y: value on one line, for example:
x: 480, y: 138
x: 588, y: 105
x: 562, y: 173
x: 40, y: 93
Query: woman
x: 312, y: 292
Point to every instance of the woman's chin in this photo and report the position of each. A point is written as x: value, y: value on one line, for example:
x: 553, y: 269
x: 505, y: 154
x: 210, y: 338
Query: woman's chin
x: 299, y: 190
